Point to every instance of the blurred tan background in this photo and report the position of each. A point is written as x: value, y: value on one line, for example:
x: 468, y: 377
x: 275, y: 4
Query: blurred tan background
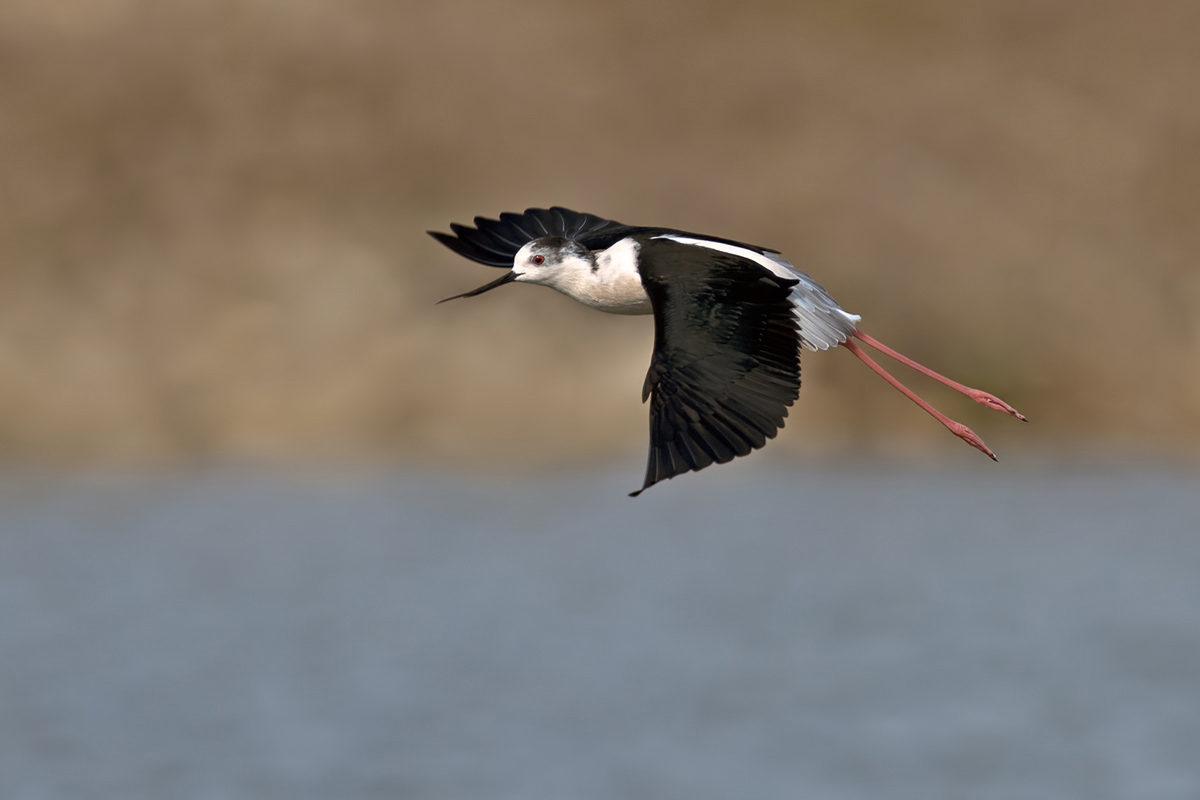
x: 212, y: 216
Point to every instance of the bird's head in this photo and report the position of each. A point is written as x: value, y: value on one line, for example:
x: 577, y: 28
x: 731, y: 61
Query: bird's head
x: 553, y: 261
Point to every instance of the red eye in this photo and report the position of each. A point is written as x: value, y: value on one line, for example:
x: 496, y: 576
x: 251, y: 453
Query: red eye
x: 538, y: 260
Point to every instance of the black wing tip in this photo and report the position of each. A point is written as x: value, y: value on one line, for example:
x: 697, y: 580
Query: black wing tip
x: 476, y: 246
x: 650, y: 482
x: 657, y: 472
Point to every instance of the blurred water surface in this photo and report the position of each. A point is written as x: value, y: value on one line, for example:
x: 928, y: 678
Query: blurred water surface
x: 767, y: 630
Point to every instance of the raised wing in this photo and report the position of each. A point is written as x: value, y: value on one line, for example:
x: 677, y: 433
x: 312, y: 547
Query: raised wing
x: 496, y: 242
x: 726, y: 363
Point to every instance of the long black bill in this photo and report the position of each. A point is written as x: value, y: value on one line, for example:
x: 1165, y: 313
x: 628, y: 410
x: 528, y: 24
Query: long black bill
x: 507, y: 277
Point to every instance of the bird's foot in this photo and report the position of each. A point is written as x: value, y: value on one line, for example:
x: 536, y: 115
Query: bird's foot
x: 970, y: 437
x: 991, y: 401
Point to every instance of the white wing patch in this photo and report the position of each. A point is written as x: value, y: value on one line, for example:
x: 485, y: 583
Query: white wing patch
x: 823, y: 323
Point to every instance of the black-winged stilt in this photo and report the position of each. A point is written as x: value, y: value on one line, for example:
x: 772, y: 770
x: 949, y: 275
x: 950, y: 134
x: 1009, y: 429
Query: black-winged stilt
x: 729, y: 320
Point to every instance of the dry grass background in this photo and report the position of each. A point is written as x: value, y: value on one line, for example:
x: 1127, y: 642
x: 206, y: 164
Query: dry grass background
x: 212, y: 215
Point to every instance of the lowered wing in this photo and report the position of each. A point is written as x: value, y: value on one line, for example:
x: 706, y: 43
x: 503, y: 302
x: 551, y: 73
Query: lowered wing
x: 726, y: 363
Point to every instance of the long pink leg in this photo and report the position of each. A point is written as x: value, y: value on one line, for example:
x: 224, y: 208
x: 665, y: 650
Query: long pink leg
x: 989, y: 400
x: 957, y: 428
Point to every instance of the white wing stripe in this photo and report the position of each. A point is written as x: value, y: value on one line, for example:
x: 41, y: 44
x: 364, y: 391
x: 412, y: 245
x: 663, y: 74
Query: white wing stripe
x: 773, y: 267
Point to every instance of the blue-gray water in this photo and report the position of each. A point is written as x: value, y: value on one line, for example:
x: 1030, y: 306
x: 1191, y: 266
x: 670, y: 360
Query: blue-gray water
x: 760, y: 631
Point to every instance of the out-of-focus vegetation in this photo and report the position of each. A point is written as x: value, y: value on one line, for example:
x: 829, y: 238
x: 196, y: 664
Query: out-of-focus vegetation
x: 212, y: 215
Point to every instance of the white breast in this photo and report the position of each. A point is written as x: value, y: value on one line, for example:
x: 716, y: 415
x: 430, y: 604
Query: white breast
x: 614, y: 286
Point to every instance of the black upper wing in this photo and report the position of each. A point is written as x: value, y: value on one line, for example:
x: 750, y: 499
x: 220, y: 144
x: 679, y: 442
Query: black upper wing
x: 726, y: 361
x: 495, y: 242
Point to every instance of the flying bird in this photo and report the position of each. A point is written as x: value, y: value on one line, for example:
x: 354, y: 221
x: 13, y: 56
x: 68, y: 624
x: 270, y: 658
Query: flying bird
x: 729, y: 321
